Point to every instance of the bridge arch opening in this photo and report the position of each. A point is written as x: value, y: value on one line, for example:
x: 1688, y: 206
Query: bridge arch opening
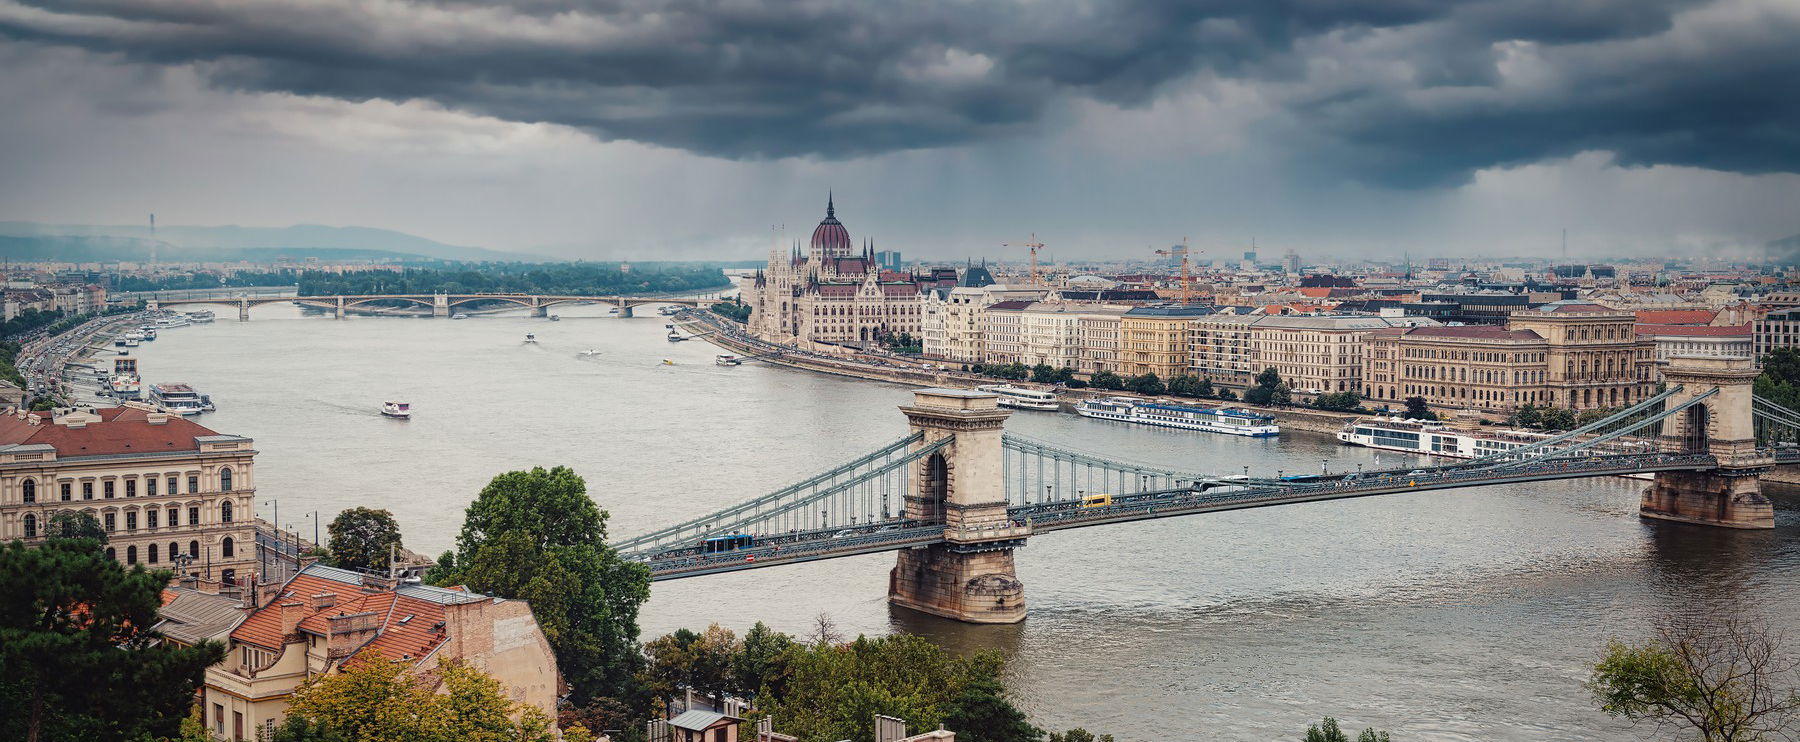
x: 1695, y: 424
x: 935, y: 487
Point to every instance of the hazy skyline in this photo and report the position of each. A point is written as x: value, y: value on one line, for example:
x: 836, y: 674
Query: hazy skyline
x: 688, y: 129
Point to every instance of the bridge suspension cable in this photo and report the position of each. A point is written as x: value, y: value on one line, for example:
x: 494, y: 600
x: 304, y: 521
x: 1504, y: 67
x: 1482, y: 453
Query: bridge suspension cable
x: 1039, y: 471
x: 866, y: 492
x: 1607, y: 429
x: 1774, y: 422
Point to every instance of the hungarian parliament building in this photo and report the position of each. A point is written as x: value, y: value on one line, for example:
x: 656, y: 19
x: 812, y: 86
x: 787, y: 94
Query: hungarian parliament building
x: 834, y: 291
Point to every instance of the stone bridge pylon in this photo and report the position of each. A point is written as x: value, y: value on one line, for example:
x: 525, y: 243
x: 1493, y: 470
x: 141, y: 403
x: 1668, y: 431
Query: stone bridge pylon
x: 970, y: 576
x: 1722, y: 425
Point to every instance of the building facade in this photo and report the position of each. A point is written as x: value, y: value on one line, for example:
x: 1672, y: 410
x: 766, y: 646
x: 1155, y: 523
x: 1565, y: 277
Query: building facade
x: 324, y: 617
x: 951, y: 320
x: 834, y: 292
x: 1699, y: 340
x: 1154, y: 340
x: 1777, y: 329
x: 168, y: 492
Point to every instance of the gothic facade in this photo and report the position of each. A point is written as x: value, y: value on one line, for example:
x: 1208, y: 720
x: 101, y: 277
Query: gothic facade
x: 835, y: 292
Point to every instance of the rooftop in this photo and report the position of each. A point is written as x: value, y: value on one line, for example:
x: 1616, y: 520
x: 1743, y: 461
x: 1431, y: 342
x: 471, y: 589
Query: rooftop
x: 118, y: 430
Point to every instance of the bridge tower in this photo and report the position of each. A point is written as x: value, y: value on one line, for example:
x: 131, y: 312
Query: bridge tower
x: 1731, y: 494
x: 538, y: 307
x: 340, y: 307
x: 624, y: 309
x: 440, y: 305
x: 970, y: 576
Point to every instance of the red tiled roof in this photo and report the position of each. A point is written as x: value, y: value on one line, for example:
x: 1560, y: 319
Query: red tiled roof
x: 1481, y: 332
x: 1577, y: 308
x: 1742, y: 331
x: 1675, y: 316
x: 407, y: 626
x: 120, y: 430
x: 1003, y: 305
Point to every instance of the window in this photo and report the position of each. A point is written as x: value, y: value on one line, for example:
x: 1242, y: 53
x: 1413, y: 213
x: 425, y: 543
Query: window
x: 29, y: 487
x: 110, y: 554
x: 172, y: 482
x: 87, y: 490
x: 227, y: 549
x: 225, y: 479
x: 225, y: 511
x: 150, y: 486
x: 131, y: 555
x: 152, y: 554
x: 193, y: 516
x: 194, y: 549
x: 110, y: 521
x: 30, y: 526
x: 150, y: 518
x: 193, y: 483
x: 108, y: 487
x: 131, y: 520
x: 219, y: 718
x: 237, y: 725
x: 131, y: 488
x: 174, y: 517
x: 65, y: 491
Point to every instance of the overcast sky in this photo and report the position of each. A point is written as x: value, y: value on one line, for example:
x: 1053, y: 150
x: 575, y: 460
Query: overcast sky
x: 690, y: 128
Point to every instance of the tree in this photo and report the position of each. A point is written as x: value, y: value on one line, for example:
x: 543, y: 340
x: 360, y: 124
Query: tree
x: 981, y: 713
x: 1269, y: 389
x: 78, y: 656
x: 1107, y: 380
x: 1147, y: 384
x: 537, y: 536
x: 372, y: 698
x: 75, y: 524
x: 1043, y: 373
x: 1586, y: 417
x: 1079, y: 735
x: 1559, y: 418
x: 1205, y: 389
x: 362, y: 538
x: 1529, y: 416
x: 1725, y: 679
x: 1329, y: 731
x: 1417, y: 409
x: 1341, y: 401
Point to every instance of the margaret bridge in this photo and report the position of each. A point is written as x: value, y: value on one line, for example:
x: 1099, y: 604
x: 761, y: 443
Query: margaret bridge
x: 958, y: 495
x: 442, y: 305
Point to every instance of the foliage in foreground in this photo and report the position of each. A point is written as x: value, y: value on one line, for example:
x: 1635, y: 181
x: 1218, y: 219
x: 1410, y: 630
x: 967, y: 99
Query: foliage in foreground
x: 826, y: 689
x: 1328, y: 731
x: 362, y: 538
x: 1724, y: 680
x: 78, y: 657
x: 375, y: 700
x: 536, y: 536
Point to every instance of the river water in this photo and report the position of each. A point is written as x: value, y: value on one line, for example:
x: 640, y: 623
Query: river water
x: 1462, y: 615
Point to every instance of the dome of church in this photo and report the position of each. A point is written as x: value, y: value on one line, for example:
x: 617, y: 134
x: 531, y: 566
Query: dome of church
x: 830, y: 238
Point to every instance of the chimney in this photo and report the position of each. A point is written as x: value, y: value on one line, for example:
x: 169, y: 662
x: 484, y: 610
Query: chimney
x: 321, y: 601
x: 291, y: 613
x: 157, y: 418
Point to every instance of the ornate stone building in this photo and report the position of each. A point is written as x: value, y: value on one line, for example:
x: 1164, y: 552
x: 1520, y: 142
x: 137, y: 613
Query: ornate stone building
x: 834, y: 292
x: 169, y: 493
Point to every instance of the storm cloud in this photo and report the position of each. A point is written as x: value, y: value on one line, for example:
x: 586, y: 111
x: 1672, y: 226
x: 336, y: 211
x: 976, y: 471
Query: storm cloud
x: 1399, y: 92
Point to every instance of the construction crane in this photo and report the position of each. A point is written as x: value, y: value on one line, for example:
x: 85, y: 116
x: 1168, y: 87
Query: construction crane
x: 1180, y: 251
x: 1033, y: 245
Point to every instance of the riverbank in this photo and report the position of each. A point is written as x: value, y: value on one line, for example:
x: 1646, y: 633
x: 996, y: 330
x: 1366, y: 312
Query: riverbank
x: 719, y: 332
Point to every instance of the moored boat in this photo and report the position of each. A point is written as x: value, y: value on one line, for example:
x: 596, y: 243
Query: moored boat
x: 178, y: 398
x: 1434, y: 438
x: 1022, y: 398
x: 1206, y: 419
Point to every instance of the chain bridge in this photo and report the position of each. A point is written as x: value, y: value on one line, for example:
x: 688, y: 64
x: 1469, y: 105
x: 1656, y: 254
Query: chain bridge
x: 958, y: 496
x: 442, y: 305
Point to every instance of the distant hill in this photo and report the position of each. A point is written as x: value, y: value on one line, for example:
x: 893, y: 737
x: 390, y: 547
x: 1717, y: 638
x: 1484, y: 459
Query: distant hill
x: 82, y: 242
x: 1785, y: 251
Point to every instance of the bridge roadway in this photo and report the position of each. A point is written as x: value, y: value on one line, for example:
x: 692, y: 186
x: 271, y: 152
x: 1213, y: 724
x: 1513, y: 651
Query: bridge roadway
x: 868, y: 538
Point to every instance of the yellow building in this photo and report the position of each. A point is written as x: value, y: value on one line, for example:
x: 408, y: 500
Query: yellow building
x: 1154, y: 340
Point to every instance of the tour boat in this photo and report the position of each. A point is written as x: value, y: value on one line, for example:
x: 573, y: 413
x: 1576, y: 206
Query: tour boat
x: 1022, y: 398
x: 180, y: 399
x: 530, y: 338
x: 119, y: 342
x: 125, y: 386
x: 1206, y: 419
x: 175, y: 321
x: 727, y: 359
x: 201, y: 317
x: 206, y: 403
x: 555, y: 318
x: 675, y: 337
x: 1434, y: 438
x: 459, y: 315
x: 400, y: 410
x: 148, y: 331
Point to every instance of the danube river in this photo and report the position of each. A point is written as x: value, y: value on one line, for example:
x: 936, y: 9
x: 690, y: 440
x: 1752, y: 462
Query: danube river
x: 1462, y: 615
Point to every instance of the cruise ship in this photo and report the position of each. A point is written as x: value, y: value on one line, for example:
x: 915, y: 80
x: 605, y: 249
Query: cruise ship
x: 1436, y: 439
x: 180, y: 399
x: 1022, y: 398
x: 1208, y: 419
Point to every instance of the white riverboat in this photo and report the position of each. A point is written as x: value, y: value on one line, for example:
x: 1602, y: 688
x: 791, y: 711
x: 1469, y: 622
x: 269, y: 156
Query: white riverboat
x: 530, y: 338
x: 399, y: 410
x: 727, y: 359
x: 125, y: 386
x: 1022, y: 398
x: 459, y: 315
x: 178, y: 398
x: 201, y: 317
x: 1437, y: 439
x: 1208, y: 419
x: 176, y: 321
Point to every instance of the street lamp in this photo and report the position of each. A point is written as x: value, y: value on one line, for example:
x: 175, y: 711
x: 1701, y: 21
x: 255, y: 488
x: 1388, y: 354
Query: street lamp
x: 276, y: 504
x: 314, y: 515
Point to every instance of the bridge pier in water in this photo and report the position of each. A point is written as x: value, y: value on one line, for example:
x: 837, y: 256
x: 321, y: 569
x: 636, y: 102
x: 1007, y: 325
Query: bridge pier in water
x: 243, y: 310
x: 625, y: 309
x: 1731, y: 494
x: 969, y: 577
x: 440, y: 305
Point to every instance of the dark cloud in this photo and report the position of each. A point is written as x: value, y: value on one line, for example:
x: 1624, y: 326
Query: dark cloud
x: 1404, y: 92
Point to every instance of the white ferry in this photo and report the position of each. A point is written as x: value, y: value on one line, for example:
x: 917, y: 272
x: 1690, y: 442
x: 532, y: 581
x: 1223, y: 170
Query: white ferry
x: 180, y: 399
x: 124, y: 386
x: 1208, y: 419
x: 1436, y: 439
x: 459, y: 315
x: 1024, y: 399
x: 400, y: 410
x: 175, y: 321
x: 530, y: 338
x: 201, y: 317
x: 727, y: 359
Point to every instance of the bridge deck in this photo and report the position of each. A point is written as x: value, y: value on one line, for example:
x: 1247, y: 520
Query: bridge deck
x: 891, y: 535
